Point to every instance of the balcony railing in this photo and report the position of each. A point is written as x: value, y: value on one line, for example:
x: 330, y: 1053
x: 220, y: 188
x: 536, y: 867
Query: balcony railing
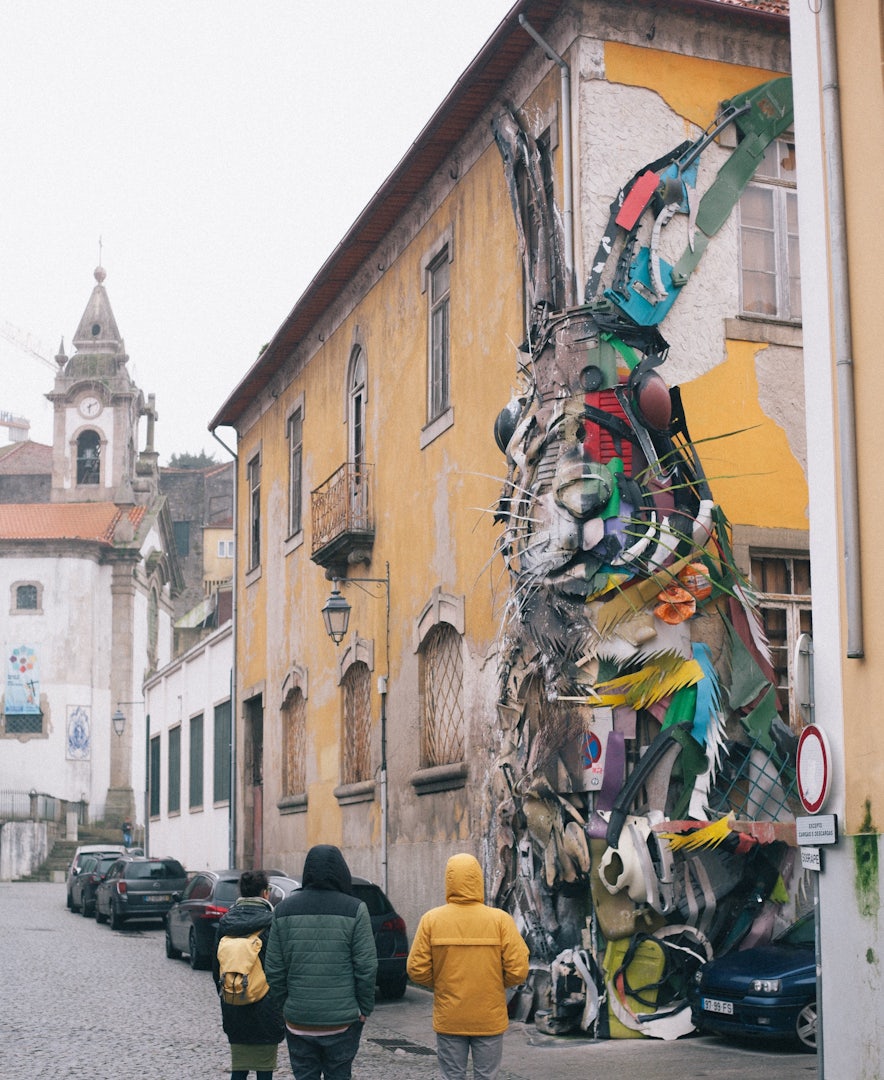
x: 342, y: 514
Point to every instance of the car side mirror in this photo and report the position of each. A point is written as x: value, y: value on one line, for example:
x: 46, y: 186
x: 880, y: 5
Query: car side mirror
x: 176, y: 897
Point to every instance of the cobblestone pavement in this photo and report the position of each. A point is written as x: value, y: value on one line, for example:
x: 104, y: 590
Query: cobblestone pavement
x: 85, y: 1001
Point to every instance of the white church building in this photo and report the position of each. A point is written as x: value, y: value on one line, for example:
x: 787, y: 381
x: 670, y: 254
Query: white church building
x: 88, y: 576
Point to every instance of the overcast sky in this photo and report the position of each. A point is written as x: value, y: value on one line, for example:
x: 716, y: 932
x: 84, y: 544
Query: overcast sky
x: 220, y: 150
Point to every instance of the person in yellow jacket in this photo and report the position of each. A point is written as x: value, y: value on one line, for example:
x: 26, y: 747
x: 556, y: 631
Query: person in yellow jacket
x: 468, y: 953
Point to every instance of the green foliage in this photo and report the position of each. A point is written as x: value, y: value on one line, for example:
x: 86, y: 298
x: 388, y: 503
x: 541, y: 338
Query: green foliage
x: 191, y: 461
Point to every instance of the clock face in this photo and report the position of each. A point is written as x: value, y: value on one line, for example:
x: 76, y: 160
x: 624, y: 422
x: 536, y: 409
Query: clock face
x: 90, y: 406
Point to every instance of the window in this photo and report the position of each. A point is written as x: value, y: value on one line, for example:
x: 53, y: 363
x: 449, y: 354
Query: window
x: 225, y: 549
x: 181, y: 535
x: 294, y: 734
x: 221, y: 762
x: 27, y: 598
x: 783, y: 584
x: 356, y: 408
x: 357, y: 724
x: 769, y: 264
x: 155, y: 776
x: 88, y: 458
x: 254, y: 484
x: 196, y: 762
x: 295, y: 438
x: 441, y: 674
x: 174, y: 800
x: 439, y: 373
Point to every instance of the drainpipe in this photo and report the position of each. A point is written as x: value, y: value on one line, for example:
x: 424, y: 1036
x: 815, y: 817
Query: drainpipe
x: 231, y: 809
x: 841, y: 331
x: 567, y: 165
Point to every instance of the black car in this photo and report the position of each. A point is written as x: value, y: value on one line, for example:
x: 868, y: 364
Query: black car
x: 192, y: 920
x: 390, y: 938
x: 83, y: 852
x: 92, y: 872
x: 137, y: 887
x: 767, y: 991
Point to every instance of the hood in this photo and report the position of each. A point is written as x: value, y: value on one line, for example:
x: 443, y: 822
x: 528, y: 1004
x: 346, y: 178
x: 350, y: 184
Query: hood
x: 325, y: 868
x: 464, y: 882
x: 248, y: 914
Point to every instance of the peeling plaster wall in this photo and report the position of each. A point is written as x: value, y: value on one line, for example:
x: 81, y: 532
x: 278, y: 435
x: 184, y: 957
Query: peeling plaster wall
x: 433, y: 520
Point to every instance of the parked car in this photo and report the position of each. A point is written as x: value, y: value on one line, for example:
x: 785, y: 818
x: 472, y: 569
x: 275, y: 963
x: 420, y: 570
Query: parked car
x: 390, y: 938
x: 137, y: 887
x: 93, y: 871
x: 83, y: 852
x: 766, y: 991
x: 192, y: 920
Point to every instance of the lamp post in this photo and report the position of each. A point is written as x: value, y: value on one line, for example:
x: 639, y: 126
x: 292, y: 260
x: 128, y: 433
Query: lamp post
x: 336, y: 616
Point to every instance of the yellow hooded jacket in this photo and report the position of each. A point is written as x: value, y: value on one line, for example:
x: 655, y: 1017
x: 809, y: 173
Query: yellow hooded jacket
x: 468, y: 953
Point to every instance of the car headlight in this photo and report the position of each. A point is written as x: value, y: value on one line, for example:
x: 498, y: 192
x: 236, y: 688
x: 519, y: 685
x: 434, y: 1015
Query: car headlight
x: 766, y: 986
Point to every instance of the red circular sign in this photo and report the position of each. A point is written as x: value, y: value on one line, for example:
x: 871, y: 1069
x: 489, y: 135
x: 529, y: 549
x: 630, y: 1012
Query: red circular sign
x: 814, y: 769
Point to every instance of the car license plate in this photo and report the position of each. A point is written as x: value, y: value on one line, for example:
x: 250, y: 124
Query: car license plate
x: 158, y: 899
x: 716, y: 1006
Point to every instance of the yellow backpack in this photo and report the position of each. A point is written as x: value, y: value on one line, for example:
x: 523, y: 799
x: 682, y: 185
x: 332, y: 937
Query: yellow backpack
x: 242, y: 979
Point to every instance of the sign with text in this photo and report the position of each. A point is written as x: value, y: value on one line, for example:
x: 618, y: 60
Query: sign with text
x: 813, y: 831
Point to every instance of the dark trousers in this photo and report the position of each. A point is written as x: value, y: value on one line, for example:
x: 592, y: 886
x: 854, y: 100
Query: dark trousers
x: 330, y: 1056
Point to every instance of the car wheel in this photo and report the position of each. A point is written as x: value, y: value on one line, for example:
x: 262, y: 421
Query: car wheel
x: 75, y: 908
x: 197, y: 961
x: 394, y: 988
x: 69, y: 901
x: 86, y: 910
x: 100, y: 917
x: 116, y: 919
x: 171, y: 951
x: 805, y: 1027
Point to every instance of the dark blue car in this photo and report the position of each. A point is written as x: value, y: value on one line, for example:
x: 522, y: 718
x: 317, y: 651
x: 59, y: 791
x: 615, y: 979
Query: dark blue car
x: 766, y: 991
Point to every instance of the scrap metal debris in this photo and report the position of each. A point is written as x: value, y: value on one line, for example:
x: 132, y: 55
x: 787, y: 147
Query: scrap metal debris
x: 642, y: 751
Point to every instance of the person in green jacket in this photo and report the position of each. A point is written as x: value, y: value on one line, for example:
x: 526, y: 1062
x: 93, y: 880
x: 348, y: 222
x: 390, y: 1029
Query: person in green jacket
x: 321, y: 965
x: 468, y: 953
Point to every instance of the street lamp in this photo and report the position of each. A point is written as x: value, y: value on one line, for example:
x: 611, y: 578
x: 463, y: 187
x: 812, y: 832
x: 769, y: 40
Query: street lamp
x: 119, y: 722
x: 336, y: 616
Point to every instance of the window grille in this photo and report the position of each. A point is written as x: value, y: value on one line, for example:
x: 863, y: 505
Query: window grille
x: 294, y: 722
x: 357, y: 724
x: 442, y: 696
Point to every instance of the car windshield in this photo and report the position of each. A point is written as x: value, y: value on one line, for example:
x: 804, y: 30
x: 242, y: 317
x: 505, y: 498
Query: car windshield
x: 801, y: 933
x: 165, y: 868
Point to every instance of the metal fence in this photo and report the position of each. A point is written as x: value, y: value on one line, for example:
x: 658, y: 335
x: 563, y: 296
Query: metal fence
x: 38, y: 806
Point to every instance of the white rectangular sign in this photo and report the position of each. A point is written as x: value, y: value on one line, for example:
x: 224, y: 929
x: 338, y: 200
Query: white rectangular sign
x: 811, y: 858
x: 821, y: 829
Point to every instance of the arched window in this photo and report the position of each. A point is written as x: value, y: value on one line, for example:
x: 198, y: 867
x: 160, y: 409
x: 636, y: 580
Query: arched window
x: 441, y: 678
x: 356, y: 397
x: 294, y: 735
x: 356, y: 757
x: 89, y: 458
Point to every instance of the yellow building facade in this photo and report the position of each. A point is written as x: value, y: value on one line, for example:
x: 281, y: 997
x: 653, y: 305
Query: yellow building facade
x: 367, y: 462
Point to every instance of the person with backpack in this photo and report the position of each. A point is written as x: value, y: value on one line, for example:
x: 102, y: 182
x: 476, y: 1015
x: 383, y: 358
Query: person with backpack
x: 252, y: 1021
x: 322, y: 964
